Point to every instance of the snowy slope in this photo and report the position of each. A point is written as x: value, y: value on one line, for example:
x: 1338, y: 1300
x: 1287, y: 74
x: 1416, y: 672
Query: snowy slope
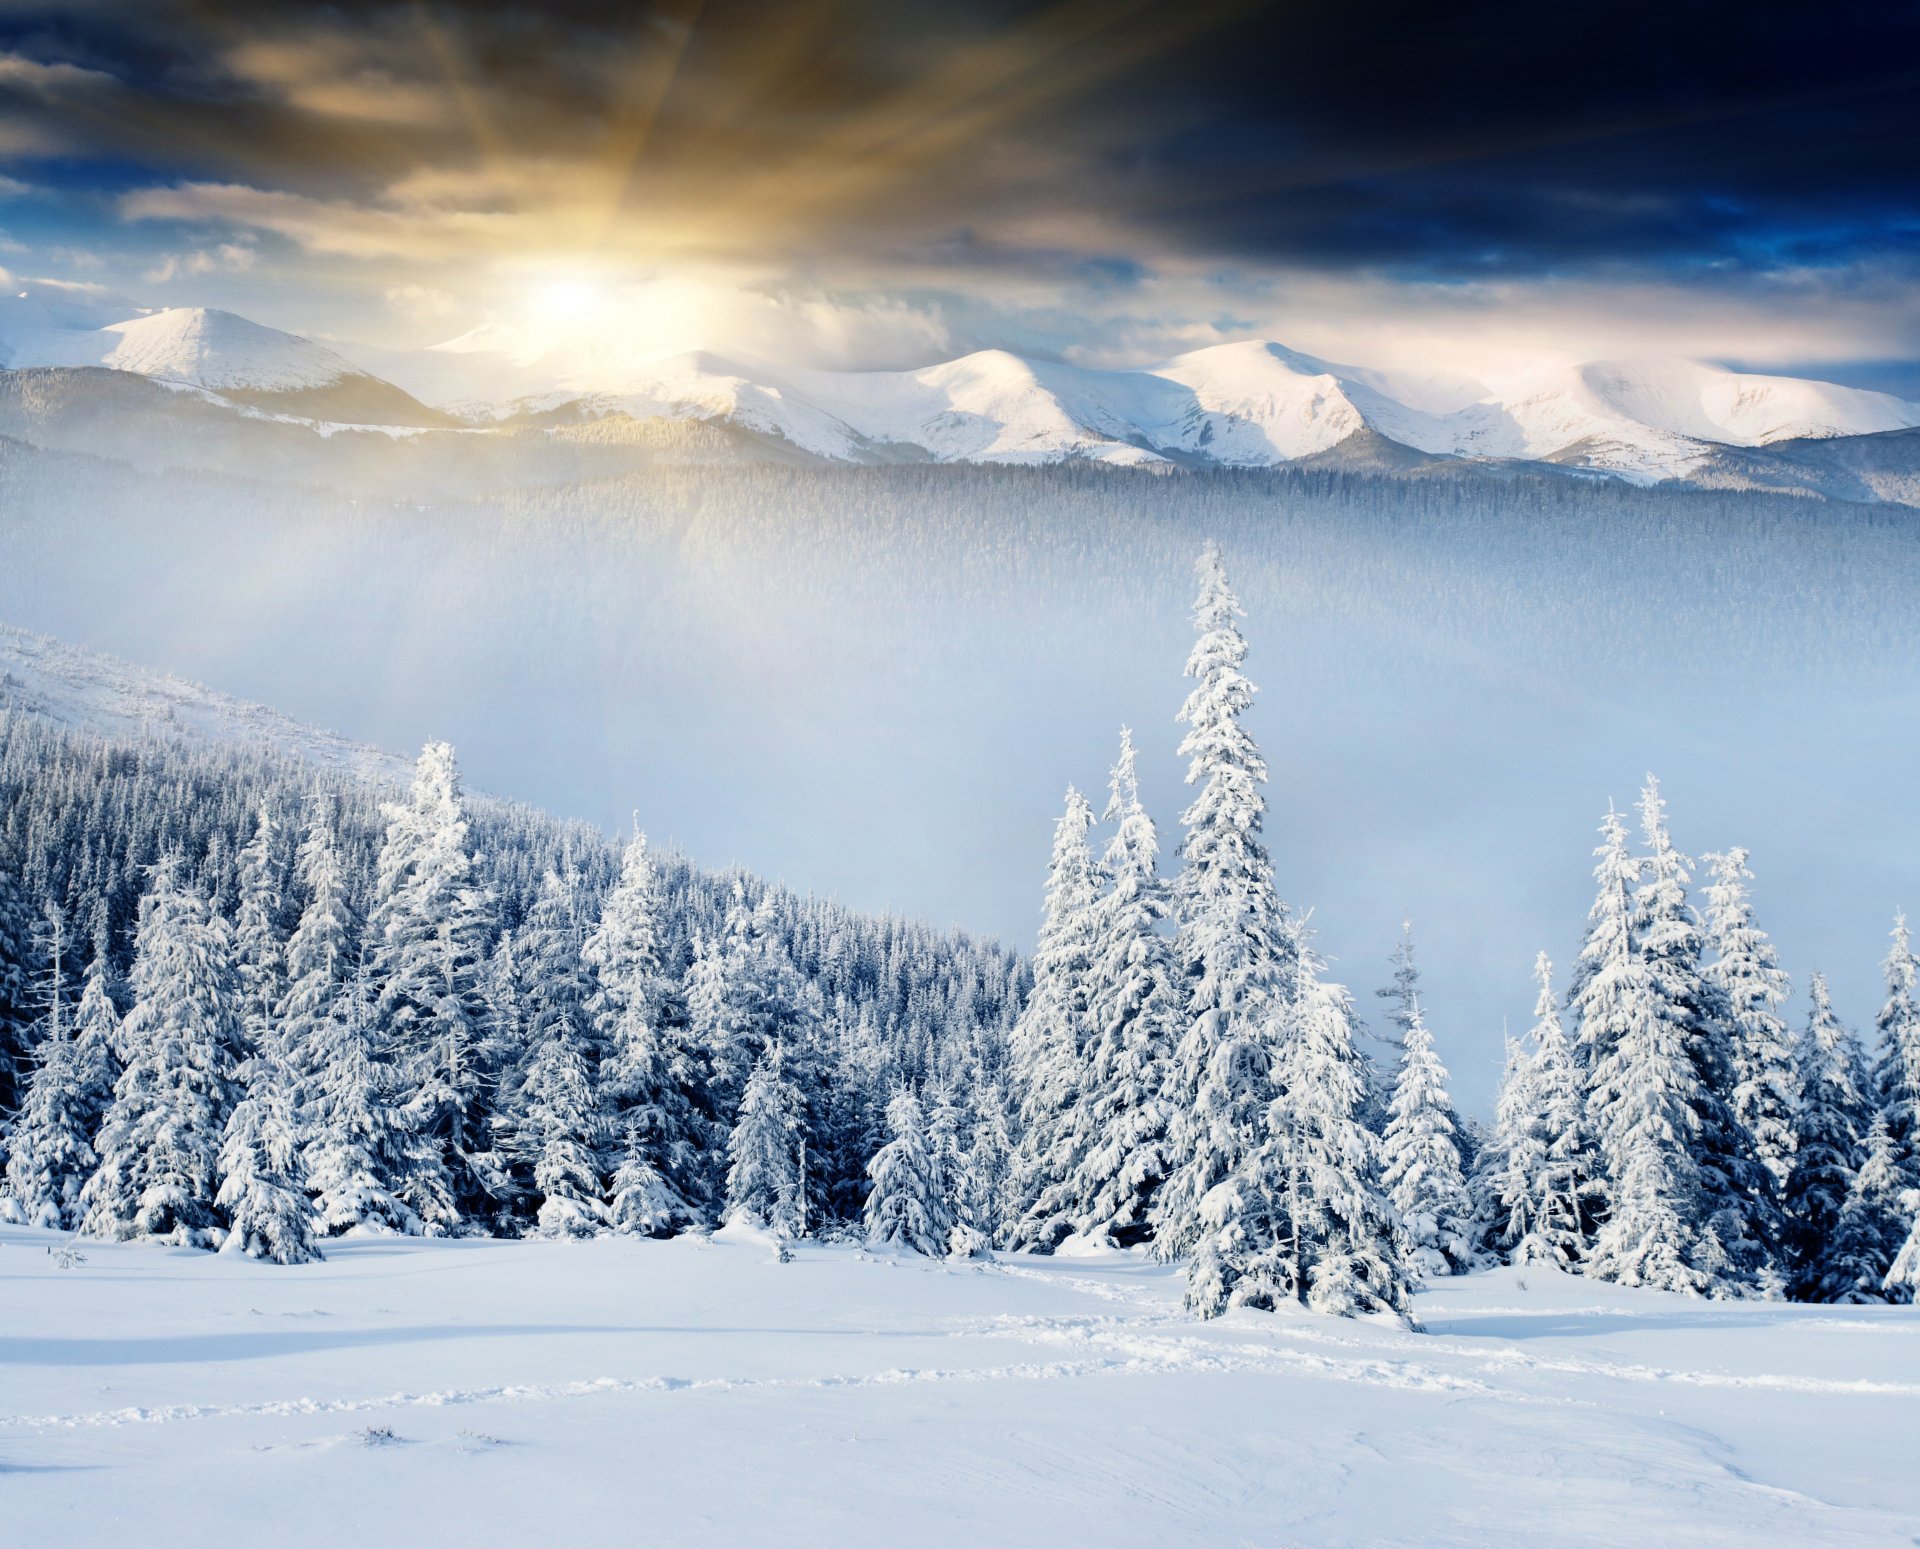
x: 621, y: 1392
x: 95, y: 692
x: 1253, y: 404
x: 196, y: 345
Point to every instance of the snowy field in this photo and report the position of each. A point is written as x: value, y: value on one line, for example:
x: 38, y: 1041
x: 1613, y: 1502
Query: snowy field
x: 690, y: 1392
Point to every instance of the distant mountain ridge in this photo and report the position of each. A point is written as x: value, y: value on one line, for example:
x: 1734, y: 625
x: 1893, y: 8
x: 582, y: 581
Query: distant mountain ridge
x: 1253, y: 404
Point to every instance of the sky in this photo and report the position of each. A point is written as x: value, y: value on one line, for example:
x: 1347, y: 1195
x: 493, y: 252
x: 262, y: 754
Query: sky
x: 840, y: 182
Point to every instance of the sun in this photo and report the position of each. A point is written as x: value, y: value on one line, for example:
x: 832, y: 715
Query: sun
x: 567, y: 299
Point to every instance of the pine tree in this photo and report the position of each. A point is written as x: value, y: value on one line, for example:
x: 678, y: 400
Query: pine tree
x: 906, y: 1207
x: 429, y: 933
x: 1739, y: 1221
x: 259, y: 952
x: 766, y: 1176
x: 556, y: 1127
x: 1233, y: 947
x: 16, y: 1013
x: 1872, y: 1223
x: 1600, y: 975
x: 1118, y: 1129
x: 1829, y: 1146
x: 50, y: 1156
x: 357, y: 1140
x: 1423, y: 1174
x: 1903, y: 1280
x: 319, y: 957
x: 262, y: 1187
x: 1746, y: 973
x: 1304, y: 1217
x: 159, y: 1144
x: 1897, y: 1072
x: 1051, y: 1036
x: 647, y: 1073
x: 1542, y: 1179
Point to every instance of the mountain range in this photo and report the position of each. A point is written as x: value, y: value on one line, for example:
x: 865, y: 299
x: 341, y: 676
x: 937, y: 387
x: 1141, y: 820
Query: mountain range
x: 1253, y: 404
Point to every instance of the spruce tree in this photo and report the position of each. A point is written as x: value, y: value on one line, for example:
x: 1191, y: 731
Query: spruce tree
x: 1746, y: 973
x: 1051, y: 1037
x: 160, y: 1141
x: 259, y: 951
x: 357, y: 1139
x: 906, y: 1207
x: 262, y: 1184
x: 16, y: 1012
x: 646, y: 1072
x: 1830, y: 1134
x: 1304, y: 1218
x: 1542, y: 1180
x: 1233, y: 946
x: 428, y: 933
x: 1872, y: 1224
x: 1903, y: 1280
x: 766, y: 1153
x: 1421, y: 1153
x: 50, y: 1155
x: 320, y: 952
x: 1740, y: 1225
x: 1897, y: 1069
x: 1119, y: 1127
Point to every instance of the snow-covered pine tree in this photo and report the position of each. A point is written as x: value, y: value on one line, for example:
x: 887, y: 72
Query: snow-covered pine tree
x: 1118, y: 1128
x: 906, y: 1207
x: 1873, y: 1222
x: 16, y: 1012
x: 428, y: 933
x: 160, y: 1141
x: 259, y: 952
x: 1304, y: 1217
x: 987, y: 1177
x: 1595, y: 997
x: 262, y: 1186
x: 766, y: 1153
x: 1421, y: 1157
x: 647, y: 1075
x: 96, y: 1030
x: 1051, y: 1035
x: 1746, y: 973
x: 1542, y: 1177
x: 554, y: 1127
x: 320, y: 952
x: 1234, y: 946
x: 357, y: 1139
x: 1896, y: 1077
x: 1829, y: 1146
x: 49, y: 1154
x: 1734, y: 1226
x: 1903, y: 1280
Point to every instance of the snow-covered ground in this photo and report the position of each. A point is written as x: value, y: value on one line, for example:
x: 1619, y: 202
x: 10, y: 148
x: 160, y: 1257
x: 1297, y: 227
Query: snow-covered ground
x: 621, y: 1392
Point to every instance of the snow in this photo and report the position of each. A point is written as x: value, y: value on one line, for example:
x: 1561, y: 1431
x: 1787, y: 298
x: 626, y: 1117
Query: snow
x: 694, y: 1391
x: 95, y: 692
x: 198, y: 346
x: 1249, y: 404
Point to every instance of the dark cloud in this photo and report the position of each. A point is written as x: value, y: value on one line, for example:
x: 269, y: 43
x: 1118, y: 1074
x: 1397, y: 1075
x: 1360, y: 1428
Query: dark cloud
x: 1428, y: 141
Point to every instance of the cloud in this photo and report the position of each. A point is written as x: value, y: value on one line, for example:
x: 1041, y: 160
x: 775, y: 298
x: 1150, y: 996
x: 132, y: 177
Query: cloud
x: 420, y: 302
x: 229, y: 257
x: 13, y: 188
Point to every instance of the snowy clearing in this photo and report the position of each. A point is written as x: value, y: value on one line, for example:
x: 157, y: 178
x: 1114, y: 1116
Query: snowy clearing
x: 619, y: 1391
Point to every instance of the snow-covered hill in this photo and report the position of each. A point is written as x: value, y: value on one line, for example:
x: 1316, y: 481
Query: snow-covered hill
x: 95, y: 692
x: 198, y: 347
x: 1247, y: 405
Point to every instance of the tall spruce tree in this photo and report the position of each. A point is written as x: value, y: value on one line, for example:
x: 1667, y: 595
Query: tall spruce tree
x: 766, y: 1153
x: 320, y: 953
x: 429, y: 934
x: 1304, y: 1218
x: 1746, y: 973
x: 1234, y: 946
x: 907, y: 1207
x: 159, y: 1144
x: 1119, y: 1140
x: 1872, y: 1225
x: 648, y: 1077
x: 1897, y: 1068
x: 50, y: 1154
x: 357, y: 1141
x: 1423, y: 1173
x: 1051, y: 1037
x: 259, y: 950
x: 1829, y: 1146
x: 262, y: 1182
